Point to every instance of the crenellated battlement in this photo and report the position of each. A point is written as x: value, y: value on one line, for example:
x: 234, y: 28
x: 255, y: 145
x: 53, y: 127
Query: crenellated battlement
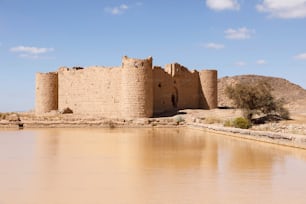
x: 136, y: 89
x: 131, y: 63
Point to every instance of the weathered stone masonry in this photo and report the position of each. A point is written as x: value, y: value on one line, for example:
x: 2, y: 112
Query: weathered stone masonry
x: 136, y: 89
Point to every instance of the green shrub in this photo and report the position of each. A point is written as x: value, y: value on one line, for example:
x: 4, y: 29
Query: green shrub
x: 228, y: 123
x: 242, y: 123
x: 212, y: 120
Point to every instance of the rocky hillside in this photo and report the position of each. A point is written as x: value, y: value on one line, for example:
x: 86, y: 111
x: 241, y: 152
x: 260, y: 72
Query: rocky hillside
x: 294, y: 95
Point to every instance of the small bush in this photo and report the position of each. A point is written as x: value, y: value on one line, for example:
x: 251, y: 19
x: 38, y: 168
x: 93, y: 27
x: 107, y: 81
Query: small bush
x: 212, y: 120
x: 179, y: 119
x: 228, y: 123
x: 242, y: 123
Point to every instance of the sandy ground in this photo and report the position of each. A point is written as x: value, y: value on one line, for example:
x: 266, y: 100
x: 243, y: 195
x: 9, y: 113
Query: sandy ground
x: 289, y: 133
x: 296, y: 125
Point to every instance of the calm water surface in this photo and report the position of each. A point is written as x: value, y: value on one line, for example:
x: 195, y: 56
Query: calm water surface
x: 133, y: 166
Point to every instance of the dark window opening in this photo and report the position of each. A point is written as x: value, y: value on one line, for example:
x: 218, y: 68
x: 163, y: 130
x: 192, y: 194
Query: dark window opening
x: 77, y: 68
x: 159, y: 85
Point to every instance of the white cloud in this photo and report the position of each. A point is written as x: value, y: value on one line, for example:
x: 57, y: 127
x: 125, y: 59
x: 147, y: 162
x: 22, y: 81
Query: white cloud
x: 238, y: 34
x: 240, y: 64
x: 215, y: 46
x: 301, y: 56
x: 283, y: 8
x: 30, y: 52
x: 28, y: 56
x: 261, y: 62
x: 117, y: 10
x: 219, y: 5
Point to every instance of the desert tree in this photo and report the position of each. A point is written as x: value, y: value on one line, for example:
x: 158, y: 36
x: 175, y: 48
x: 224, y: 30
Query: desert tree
x: 256, y: 99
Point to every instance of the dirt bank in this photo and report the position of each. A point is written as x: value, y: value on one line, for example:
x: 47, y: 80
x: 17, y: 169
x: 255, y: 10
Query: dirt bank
x: 290, y: 133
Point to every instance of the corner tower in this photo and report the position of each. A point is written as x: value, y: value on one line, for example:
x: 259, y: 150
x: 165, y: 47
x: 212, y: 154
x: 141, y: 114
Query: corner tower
x: 46, y: 92
x: 136, y: 88
x: 209, y: 89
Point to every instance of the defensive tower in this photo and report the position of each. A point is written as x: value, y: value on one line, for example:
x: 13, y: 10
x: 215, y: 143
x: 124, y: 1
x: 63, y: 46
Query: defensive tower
x: 136, y: 88
x: 46, y: 92
x: 209, y: 89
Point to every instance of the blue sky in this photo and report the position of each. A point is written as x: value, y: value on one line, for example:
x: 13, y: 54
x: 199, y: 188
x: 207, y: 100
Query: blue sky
x: 265, y: 37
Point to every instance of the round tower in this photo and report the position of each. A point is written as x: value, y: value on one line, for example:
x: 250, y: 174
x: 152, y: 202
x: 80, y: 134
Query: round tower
x: 46, y: 92
x: 136, y: 88
x: 209, y: 89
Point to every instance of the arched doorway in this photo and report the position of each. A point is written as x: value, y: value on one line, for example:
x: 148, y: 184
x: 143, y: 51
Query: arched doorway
x: 174, y: 97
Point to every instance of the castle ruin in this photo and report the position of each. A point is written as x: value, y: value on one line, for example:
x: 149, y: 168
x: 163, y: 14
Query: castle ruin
x: 134, y: 90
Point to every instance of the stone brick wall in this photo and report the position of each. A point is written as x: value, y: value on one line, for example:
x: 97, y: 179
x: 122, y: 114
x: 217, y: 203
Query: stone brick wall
x: 164, y: 90
x: 188, y: 86
x: 94, y: 90
x: 46, y: 89
x: 175, y: 87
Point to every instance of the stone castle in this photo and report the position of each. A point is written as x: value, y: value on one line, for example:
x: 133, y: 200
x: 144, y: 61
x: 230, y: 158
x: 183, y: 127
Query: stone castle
x: 136, y: 89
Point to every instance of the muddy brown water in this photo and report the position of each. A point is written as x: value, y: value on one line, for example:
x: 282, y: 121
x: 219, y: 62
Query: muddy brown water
x: 133, y: 166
